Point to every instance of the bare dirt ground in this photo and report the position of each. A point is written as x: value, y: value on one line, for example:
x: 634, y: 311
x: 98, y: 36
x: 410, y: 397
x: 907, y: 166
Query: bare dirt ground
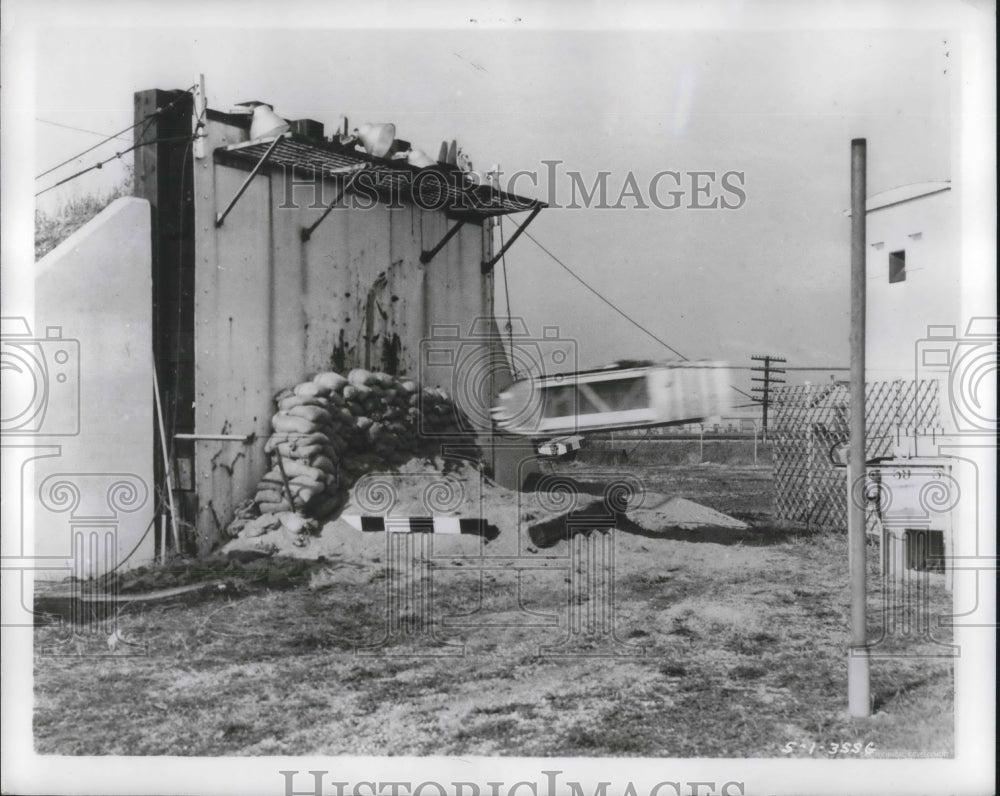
x: 722, y: 644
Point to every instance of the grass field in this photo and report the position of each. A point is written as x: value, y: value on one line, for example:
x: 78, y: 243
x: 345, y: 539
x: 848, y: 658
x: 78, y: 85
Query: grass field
x: 734, y: 647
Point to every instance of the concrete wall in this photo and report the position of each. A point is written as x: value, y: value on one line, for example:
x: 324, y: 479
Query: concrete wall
x: 272, y: 309
x: 98, y: 487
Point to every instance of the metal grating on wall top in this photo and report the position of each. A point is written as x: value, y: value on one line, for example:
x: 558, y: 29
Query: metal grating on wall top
x: 439, y: 188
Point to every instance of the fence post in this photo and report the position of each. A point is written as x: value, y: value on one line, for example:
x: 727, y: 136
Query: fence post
x: 810, y: 498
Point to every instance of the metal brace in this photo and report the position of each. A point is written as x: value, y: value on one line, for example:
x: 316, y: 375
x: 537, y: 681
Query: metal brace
x: 488, y: 266
x: 427, y: 256
x: 307, y: 232
x: 246, y: 183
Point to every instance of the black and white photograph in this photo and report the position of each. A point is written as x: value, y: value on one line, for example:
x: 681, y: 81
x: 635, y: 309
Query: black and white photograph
x: 498, y: 398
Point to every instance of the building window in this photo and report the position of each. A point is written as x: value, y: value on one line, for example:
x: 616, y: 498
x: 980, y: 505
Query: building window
x: 897, y: 266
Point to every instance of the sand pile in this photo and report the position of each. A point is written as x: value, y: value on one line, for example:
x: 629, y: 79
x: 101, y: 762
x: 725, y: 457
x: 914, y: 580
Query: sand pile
x: 661, y: 513
x: 419, y: 487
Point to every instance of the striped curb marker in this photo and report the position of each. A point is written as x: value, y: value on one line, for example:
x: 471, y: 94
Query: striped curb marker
x: 442, y: 525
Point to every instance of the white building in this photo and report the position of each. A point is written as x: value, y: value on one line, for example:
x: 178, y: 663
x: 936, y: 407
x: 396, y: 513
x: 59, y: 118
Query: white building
x: 917, y: 334
x: 915, y: 327
x: 914, y: 274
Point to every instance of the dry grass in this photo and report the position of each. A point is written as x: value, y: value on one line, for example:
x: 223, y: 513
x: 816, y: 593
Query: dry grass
x: 52, y: 229
x: 719, y: 650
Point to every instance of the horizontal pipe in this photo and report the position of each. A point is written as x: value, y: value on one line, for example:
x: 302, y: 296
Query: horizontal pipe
x: 245, y: 438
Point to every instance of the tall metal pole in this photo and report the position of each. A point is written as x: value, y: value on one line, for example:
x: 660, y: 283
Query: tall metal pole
x: 858, y: 669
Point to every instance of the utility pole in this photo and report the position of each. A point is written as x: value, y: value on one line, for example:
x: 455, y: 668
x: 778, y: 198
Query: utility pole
x: 769, y: 370
x: 858, y: 665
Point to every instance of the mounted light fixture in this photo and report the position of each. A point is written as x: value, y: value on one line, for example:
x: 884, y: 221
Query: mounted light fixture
x: 377, y: 138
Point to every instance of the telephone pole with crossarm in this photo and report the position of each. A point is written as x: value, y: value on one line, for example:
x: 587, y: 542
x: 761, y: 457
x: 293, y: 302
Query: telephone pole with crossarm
x: 770, y: 377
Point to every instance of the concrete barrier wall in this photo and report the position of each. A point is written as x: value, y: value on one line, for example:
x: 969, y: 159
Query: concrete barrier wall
x: 93, y: 495
x: 272, y: 309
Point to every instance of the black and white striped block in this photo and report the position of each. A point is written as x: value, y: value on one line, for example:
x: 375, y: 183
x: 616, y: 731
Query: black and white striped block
x: 442, y: 525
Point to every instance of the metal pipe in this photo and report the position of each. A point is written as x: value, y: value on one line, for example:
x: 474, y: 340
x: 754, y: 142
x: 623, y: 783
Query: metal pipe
x: 244, y: 438
x: 858, y: 668
x: 166, y: 460
x: 284, y: 480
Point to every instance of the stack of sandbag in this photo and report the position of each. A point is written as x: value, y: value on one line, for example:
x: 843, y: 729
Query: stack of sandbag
x: 437, y: 412
x: 304, y: 473
x: 332, y: 429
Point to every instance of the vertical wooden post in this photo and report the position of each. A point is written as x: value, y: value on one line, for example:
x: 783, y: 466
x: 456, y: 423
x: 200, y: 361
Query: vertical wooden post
x: 858, y: 667
x: 767, y: 389
x: 163, y: 176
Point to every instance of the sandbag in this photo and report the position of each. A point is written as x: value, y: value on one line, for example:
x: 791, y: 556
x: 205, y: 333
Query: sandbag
x: 314, y: 414
x: 296, y: 523
x: 307, y: 452
x: 312, y: 451
x: 358, y: 376
x: 324, y: 463
x: 330, y: 380
x: 302, y: 400
x: 311, y: 388
x: 275, y: 508
x: 299, y: 467
x: 261, y: 525
x: 312, y: 484
x: 286, y: 422
x: 269, y: 491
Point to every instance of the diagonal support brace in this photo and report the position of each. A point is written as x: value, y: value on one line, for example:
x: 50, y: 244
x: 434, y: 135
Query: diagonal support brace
x: 427, y: 256
x: 307, y: 232
x: 487, y: 266
x: 246, y: 183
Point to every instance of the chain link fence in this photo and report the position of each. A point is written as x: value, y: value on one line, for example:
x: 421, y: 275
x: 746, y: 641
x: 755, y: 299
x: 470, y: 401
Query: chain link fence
x: 810, y: 423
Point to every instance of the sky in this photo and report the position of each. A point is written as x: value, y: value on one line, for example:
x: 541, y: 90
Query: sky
x: 778, y: 106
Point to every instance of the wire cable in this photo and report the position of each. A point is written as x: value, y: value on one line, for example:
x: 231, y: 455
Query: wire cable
x: 147, y: 119
x: 506, y: 290
x: 102, y: 163
x: 105, y: 136
x: 597, y: 293
x: 621, y: 312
